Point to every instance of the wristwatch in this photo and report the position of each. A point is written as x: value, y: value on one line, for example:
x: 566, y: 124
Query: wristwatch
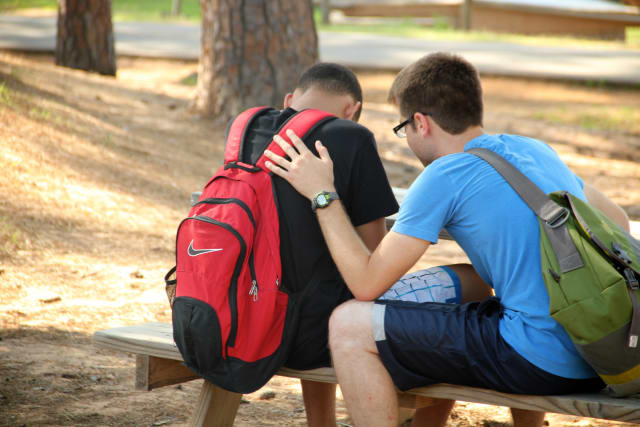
x: 323, y: 199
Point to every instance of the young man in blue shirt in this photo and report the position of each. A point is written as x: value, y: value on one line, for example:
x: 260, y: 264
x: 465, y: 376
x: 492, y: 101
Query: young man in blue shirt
x: 507, y: 342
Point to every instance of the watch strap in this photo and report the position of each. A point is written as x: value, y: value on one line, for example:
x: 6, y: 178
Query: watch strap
x: 329, y: 195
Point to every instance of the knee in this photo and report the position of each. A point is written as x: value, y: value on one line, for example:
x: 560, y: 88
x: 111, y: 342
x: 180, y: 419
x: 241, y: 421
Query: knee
x: 338, y: 322
x: 348, y: 324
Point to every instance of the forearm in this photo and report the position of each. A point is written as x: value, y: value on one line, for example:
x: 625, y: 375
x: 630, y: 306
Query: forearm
x: 367, y: 274
x: 347, y: 250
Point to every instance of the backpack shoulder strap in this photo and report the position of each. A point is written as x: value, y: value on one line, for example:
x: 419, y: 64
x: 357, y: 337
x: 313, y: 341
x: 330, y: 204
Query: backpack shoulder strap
x: 553, y: 215
x: 237, y: 131
x: 302, y: 124
x: 536, y: 199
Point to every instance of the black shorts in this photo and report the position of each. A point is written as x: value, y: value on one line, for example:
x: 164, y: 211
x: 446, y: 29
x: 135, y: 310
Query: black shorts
x: 427, y: 343
x: 310, y: 343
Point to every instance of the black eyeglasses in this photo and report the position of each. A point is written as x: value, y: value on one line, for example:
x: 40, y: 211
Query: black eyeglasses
x: 400, y: 130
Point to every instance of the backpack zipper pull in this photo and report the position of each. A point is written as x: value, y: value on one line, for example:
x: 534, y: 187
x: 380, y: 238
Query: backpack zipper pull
x: 277, y: 282
x: 254, y: 282
x: 254, y: 290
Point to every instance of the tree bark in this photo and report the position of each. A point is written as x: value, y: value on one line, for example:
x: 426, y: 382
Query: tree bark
x: 176, y: 7
x: 466, y: 14
x: 252, y: 53
x: 326, y: 8
x: 85, y: 36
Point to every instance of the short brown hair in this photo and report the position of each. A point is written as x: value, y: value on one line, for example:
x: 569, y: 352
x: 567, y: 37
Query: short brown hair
x: 444, y: 85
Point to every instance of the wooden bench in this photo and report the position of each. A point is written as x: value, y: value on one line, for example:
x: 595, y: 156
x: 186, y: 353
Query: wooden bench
x: 159, y: 364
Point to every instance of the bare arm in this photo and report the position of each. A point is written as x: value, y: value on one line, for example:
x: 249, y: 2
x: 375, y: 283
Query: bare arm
x: 607, y: 206
x: 372, y: 233
x: 368, y: 275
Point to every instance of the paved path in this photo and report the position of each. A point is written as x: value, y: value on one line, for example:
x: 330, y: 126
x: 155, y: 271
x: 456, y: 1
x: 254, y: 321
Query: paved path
x: 356, y: 49
x: 365, y: 50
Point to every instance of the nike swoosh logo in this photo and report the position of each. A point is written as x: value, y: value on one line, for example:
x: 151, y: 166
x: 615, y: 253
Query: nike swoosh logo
x: 196, y: 252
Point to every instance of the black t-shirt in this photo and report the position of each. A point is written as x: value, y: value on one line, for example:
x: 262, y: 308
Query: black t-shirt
x: 364, y: 190
x: 360, y: 181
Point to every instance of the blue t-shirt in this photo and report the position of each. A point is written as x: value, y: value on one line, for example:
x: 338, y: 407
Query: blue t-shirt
x: 499, y: 233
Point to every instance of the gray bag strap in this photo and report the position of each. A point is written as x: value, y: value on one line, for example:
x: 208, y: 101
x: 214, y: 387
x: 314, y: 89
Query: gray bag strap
x: 554, y: 216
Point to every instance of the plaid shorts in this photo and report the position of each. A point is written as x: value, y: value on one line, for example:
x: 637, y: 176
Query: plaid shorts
x: 435, y: 284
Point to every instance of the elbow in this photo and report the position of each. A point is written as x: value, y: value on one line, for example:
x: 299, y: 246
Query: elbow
x: 625, y: 221
x: 620, y: 217
x: 365, y: 292
x: 364, y: 296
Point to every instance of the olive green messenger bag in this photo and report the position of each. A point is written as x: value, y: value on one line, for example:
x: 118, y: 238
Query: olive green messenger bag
x: 591, y: 269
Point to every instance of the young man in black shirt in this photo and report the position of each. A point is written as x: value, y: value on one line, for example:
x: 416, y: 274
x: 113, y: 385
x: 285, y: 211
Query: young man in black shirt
x: 361, y: 184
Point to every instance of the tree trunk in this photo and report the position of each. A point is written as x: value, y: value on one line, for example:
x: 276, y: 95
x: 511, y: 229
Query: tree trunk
x: 252, y: 53
x: 466, y: 14
x: 85, y: 36
x: 176, y: 7
x: 326, y: 8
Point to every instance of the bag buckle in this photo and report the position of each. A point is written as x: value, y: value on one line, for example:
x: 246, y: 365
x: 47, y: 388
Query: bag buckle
x: 559, y: 218
x: 622, y: 254
x: 631, y: 279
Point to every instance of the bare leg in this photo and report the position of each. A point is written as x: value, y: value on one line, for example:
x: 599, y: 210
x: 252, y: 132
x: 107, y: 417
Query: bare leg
x: 433, y: 416
x: 367, y: 388
x: 526, y: 418
x: 319, y: 403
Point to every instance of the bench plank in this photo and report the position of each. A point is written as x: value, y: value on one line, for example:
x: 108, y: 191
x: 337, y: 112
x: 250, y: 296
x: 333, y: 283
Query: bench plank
x: 152, y: 339
x: 154, y: 372
x: 156, y: 339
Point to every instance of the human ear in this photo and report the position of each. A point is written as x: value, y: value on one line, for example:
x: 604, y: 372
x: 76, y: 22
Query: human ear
x: 350, y: 110
x: 421, y: 124
x: 287, y: 100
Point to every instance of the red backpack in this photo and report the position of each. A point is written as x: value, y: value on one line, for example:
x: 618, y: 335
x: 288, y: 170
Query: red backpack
x: 230, y: 312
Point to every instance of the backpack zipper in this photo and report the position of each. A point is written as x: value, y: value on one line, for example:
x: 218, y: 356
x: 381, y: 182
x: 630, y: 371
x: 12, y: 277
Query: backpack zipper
x: 218, y: 201
x: 254, y: 278
x: 233, y: 288
x: 224, y: 201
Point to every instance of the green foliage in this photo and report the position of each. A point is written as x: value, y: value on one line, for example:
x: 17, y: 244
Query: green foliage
x: 6, y: 5
x: 10, y: 237
x: 5, y: 95
x: 160, y: 10
x: 190, y: 80
x: 153, y: 10
x: 633, y: 36
x: 107, y: 141
x: 123, y: 10
x: 40, y: 113
x: 599, y: 118
x: 441, y: 23
x: 441, y: 29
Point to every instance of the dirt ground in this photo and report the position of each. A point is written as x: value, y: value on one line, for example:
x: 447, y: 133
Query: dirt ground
x: 96, y: 174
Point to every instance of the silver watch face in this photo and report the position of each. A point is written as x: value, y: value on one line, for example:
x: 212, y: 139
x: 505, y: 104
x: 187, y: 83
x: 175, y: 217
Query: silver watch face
x: 321, y: 200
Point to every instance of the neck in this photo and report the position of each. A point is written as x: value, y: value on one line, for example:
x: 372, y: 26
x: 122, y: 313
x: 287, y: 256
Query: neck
x: 456, y: 143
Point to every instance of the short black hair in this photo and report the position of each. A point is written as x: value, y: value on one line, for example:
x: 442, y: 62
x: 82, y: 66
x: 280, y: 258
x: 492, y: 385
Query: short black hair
x: 333, y: 78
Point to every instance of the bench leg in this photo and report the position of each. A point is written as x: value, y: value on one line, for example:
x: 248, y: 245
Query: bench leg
x: 406, y: 400
x: 216, y: 407
x: 153, y: 372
